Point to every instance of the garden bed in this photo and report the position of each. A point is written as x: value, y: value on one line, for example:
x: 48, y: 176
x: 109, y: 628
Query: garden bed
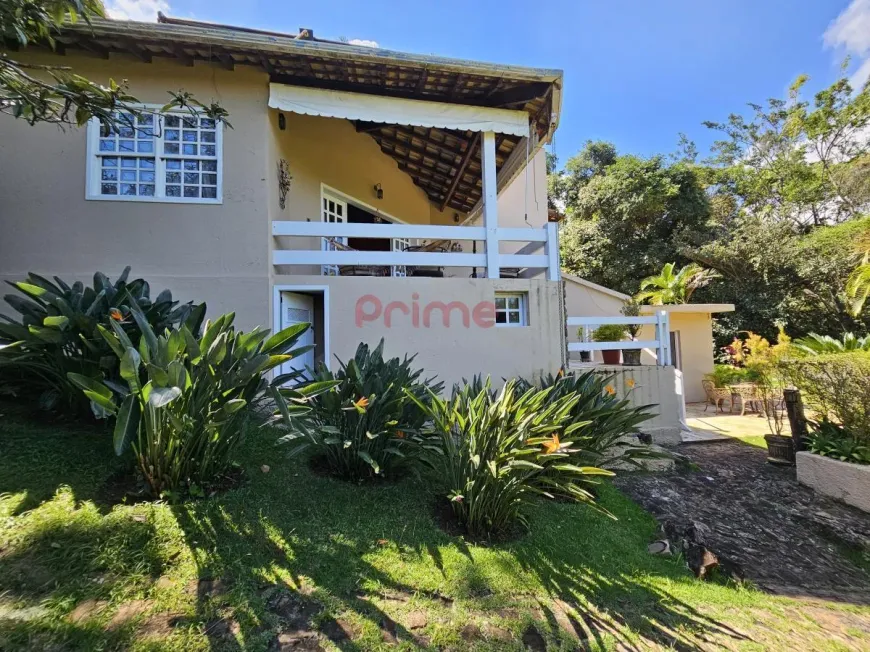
x: 843, y: 481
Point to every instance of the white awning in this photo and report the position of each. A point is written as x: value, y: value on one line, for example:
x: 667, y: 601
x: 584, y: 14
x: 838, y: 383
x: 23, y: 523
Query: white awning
x: 415, y: 113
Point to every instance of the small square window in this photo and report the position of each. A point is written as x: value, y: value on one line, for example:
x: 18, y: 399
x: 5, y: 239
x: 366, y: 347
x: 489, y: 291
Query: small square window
x: 511, y: 309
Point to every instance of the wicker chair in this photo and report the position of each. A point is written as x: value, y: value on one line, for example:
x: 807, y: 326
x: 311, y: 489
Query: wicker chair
x: 716, y: 395
x: 748, y: 395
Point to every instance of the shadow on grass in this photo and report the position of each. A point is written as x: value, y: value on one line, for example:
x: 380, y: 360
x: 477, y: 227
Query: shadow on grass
x: 39, y: 456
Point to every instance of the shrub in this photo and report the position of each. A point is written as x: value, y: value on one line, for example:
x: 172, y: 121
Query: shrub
x: 365, y: 427
x: 498, y: 452
x: 610, y: 421
x: 724, y: 375
x: 188, y: 399
x: 836, y: 386
x: 833, y: 440
x: 609, y: 333
x: 57, y: 334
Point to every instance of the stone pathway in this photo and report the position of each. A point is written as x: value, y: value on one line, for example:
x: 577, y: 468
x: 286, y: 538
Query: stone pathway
x: 786, y: 538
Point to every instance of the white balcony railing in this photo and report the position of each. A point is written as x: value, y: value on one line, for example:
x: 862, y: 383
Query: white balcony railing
x: 527, y: 258
x: 661, y: 344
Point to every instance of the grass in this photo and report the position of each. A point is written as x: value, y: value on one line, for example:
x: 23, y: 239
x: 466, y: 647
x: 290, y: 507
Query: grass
x: 753, y: 440
x: 366, y: 564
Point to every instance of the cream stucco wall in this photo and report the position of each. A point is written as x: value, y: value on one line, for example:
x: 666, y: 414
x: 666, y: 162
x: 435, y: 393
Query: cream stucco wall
x: 695, y: 329
x: 451, y: 352
x: 215, y: 253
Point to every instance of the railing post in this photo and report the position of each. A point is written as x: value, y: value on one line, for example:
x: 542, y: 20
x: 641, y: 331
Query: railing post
x: 554, y: 272
x: 794, y: 408
x: 490, y: 202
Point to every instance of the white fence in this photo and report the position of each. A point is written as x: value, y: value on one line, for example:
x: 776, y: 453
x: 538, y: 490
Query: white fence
x: 491, y: 260
x: 661, y: 343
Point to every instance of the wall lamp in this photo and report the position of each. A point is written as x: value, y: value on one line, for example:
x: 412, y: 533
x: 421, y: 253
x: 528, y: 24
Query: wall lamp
x: 379, y: 191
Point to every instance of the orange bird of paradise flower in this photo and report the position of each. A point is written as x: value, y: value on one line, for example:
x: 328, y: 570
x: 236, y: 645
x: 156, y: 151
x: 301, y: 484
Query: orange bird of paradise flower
x: 115, y: 314
x: 553, y: 445
x: 400, y: 434
x: 630, y: 383
x: 362, y: 403
x: 610, y: 390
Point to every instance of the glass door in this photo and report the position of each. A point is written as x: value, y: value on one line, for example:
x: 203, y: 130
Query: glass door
x: 334, y: 212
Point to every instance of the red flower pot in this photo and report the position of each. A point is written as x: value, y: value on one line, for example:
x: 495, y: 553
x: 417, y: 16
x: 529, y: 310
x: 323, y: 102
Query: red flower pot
x: 611, y: 357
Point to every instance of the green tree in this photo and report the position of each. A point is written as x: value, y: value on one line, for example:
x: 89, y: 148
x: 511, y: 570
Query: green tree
x: 670, y: 286
x: 54, y: 94
x: 628, y: 216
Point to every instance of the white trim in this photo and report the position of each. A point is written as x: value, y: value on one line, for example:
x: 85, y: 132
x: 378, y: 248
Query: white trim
x: 393, y: 110
x: 612, y: 346
x: 610, y: 321
x: 523, y: 308
x: 553, y: 270
x: 405, y: 230
x: 94, y: 157
x: 304, y: 289
x: 418, y: 258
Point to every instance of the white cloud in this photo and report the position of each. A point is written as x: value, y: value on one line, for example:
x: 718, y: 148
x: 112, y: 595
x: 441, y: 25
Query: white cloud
x: 142, y: 10
x: 363, y: 42
x: 850, y: 31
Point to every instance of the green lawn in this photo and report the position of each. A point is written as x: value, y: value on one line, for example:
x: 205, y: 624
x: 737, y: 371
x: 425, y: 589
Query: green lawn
x: 352, y: 567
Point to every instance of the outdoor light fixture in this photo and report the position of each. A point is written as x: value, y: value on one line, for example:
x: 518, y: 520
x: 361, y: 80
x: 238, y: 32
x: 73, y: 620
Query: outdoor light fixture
x: 379, y: 191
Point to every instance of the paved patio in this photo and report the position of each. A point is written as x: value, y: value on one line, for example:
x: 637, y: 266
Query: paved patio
x: 712, y: 425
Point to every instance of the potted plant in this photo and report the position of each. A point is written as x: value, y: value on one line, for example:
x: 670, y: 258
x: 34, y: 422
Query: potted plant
x: 631, y: 356
x: 609, y: 333
x: 585, y: 356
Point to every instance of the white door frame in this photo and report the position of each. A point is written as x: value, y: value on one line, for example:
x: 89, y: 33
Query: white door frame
x: 304, y: 289
x: 326, y: 189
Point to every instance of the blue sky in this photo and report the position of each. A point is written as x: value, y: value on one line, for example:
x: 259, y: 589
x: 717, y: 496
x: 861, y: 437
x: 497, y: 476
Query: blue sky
x: 637, y: 72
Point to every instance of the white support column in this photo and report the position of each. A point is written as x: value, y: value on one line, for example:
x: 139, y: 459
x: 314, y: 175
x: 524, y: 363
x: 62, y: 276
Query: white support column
x: 663, y: 336
x: 490, y: 202
x: 554, y: 272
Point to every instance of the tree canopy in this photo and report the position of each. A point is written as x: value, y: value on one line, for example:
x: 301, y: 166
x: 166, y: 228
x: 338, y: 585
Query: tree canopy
x: 775, y: 209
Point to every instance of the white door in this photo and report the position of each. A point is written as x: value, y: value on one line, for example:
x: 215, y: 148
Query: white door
x: 400, y: 245
x: 295, y: 309
x: 334, y: 212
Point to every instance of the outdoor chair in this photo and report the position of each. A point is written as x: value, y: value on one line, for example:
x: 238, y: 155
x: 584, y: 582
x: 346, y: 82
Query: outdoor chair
x: 748, y: 395
x: 716, y: 395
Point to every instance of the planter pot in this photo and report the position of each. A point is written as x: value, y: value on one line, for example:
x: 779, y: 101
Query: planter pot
x: 631, y: 357
x: 610, y: 357
x: 843, y: 481
x: 780, y: 450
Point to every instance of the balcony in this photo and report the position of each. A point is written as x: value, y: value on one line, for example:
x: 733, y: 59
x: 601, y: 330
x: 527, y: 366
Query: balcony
x: 417, y: 250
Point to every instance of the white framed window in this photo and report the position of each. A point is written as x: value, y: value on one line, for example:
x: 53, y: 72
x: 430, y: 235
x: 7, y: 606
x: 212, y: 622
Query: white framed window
x: 511, y: 309
x: 172, y: 157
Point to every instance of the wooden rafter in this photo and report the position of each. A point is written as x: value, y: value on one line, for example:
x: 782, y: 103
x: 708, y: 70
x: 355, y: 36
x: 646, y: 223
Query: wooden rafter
x: 473, y: 145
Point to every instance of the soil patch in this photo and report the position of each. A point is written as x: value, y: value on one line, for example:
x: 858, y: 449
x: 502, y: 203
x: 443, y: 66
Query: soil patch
x: 446, y: 520
x: 126, y: 487
x: 784, y: 537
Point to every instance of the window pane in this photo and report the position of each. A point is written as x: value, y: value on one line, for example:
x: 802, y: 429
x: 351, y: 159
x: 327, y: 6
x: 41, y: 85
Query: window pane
x: 110, y: 162
x: 209, y: 179
x: 173, y: 165
x: 125, y: 146
x: 128, y: 175
x: 191, y: 177
x: 110, y: 175
x: 145, y: 146
x: 189, y: 136
x: 207, y: 150
x: 170, y: 148
x: 171, y: 121
x: 513, y: 317
x: 128, y: 189
x: 146, y: 119
x: 171, y: 134
x: 499, y: 303
x: 148, y: 177
x: 209, y: 193
x: 209, y: 166
x: 107, y: 145
x: 191, y: 165
x: 109, y: 189
x: 128, y: 162
x: 207, y: 137
x: 500, y: 318
x: 191, y: 191
x: 146, y: 190
x: 190, y: 150
x: 207, y: 123
x: 189, y: 122
x: 514, y: 303
x: 126, y: 131
x: 173, y: 191
x: 146, y: 163
x: 173, y: 177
